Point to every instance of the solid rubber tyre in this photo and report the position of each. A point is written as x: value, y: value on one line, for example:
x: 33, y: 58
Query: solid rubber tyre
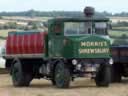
x: 19, y: 77
x: 53, y: 81
x: 103, y: 76
x: 115, y: 74
x: 62, y: 75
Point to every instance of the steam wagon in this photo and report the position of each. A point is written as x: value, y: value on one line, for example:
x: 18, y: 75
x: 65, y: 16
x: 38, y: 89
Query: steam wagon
x: 72, y: 47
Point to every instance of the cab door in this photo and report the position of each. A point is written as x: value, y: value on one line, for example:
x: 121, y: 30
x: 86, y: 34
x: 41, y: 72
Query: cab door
x: 57, y: 40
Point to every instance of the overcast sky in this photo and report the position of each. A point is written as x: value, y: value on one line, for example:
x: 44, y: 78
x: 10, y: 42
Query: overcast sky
x: 114, y: 6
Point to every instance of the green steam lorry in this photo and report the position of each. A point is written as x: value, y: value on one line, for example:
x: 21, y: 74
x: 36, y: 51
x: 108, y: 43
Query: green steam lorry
x: 72, y: 47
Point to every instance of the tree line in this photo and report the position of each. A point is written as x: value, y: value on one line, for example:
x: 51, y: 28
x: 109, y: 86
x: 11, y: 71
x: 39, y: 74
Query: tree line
x: 32, y: 13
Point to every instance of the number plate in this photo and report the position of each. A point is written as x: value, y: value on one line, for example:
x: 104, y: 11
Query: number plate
x: 90, y: 69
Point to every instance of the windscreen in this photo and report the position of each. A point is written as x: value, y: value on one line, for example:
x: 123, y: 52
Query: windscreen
x: 77, y: 28
x: 101, y: 28
x: 83, y: 28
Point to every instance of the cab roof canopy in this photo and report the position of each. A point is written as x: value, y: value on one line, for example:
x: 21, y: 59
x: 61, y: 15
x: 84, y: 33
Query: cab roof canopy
x: 93, y: 19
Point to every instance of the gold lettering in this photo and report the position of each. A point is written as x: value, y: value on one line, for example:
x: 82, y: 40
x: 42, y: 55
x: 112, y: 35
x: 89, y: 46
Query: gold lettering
x: 94, y: 51
x: 83, y: 43
x: 96, y: 43
x: 88, y: 44
x: 105, y: 43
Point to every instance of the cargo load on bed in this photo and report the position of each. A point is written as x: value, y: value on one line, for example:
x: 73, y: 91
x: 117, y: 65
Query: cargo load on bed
x: 25, y: 44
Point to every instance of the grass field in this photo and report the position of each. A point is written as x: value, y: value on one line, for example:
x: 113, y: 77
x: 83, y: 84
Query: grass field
x: 117, y: 19
x: 3, y: 71
x: 4, y: 33
x: 26, y: 19
x: 117, y: 33
x: 80, y: 87
x: 120, y: 28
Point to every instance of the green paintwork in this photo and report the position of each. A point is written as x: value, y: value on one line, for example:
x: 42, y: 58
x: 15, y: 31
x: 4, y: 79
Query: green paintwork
x: 73, y: 48
x: 60, y: 46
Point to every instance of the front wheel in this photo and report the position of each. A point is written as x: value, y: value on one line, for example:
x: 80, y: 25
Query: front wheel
x: 103, y: 75
x: 62, y: 75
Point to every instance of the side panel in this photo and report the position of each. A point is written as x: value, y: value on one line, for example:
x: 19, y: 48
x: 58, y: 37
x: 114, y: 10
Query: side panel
x: 120, y: 54
x: 55, y: 39
x: 55, y: 48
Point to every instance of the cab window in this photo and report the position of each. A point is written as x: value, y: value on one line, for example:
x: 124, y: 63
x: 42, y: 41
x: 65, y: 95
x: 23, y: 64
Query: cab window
x: 57, y: 29
x: 77, y: 28
x: 101, y: 28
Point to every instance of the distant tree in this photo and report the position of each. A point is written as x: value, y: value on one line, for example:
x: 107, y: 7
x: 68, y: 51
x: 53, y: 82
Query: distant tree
x: 5, y: 26
x: 31, y: 23
x: 1, y: 17
x: 12, y: 25
x: 31, y: 13
x: 26, y: 28
x: 1, y: 26
x: 34, y: 26
x: 124, y: 36
x: 45, y: 24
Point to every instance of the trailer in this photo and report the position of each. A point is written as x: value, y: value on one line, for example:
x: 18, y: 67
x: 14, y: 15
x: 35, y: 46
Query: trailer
x: 120, y: 66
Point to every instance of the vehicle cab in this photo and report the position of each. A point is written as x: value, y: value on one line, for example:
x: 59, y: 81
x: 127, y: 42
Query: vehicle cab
x: 79, y: 38
x: 84, y: 44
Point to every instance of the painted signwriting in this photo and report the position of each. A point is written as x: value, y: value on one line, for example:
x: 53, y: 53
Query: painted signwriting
x: 89, y: 44
x: 94, y: 50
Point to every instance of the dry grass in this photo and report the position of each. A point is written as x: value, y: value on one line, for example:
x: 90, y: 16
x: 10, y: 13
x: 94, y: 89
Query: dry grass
x: 118, y: 33
x: 81, y: 87
x: 24, y: 18
x: 117, y: 19
x: 3, y: 71
x: 4, y: 33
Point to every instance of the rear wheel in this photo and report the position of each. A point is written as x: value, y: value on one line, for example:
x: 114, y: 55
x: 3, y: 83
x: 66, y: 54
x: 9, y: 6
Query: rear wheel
x: 115, y: 73
x: 103, y: 76
x: 20, y: 77
x: 53, y: 81
x: 62, y: 75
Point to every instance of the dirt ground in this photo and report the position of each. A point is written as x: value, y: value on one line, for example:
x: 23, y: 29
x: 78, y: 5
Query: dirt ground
x: 81, y: 87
